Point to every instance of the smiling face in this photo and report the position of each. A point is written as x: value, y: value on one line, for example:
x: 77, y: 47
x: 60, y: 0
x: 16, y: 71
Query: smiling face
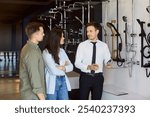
x: 92, y: 33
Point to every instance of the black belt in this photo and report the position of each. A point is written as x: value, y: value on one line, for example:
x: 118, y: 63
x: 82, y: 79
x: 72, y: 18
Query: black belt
x: 60, y: 76
x: 92, y: 74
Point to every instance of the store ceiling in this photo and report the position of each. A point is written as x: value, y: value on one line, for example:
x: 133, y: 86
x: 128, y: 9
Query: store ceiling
x: 12, y: 11
x: 15, y: 10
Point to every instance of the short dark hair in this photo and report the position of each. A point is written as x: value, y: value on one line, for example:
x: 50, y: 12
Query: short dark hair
x: 95, y: 24
x: 32, y: 27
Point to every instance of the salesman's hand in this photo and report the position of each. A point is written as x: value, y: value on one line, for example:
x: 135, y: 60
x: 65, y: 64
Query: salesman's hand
x: 93, y: 67
x: 109, y: 64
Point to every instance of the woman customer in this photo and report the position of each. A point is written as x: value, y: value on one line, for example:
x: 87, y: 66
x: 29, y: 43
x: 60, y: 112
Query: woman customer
x: 57, y: 64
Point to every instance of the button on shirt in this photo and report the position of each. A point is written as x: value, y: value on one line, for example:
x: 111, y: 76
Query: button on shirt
x: 85, y: 52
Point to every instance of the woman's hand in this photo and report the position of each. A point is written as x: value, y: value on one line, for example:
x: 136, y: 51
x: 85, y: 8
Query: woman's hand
x: 61, y: 67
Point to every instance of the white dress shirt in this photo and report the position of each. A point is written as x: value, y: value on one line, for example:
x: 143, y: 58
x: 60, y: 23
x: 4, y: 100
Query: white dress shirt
x: 84, y: 55
x: 52, y: 71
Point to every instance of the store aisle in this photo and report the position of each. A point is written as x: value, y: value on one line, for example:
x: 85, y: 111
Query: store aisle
x: 9, y: 89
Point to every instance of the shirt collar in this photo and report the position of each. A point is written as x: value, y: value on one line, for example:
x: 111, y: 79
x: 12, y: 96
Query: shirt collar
x: 96, y: 41
x: 33, y: 44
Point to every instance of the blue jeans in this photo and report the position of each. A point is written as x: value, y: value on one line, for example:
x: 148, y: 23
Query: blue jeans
x: 61, y: 92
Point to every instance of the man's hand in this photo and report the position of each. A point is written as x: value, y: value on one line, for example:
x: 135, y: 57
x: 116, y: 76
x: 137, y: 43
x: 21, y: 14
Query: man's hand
x: 41, y: 96
x: 109, y: 66
x: 93, y: 67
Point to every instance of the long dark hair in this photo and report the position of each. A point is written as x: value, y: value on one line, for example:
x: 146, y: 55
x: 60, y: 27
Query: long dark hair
x: 53, y: 43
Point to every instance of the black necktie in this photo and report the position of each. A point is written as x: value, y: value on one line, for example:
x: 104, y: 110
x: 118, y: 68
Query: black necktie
x: 94, y: 55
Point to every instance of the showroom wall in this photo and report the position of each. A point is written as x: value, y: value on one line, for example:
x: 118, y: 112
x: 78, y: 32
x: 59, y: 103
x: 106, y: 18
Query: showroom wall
x: 130, y: 76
